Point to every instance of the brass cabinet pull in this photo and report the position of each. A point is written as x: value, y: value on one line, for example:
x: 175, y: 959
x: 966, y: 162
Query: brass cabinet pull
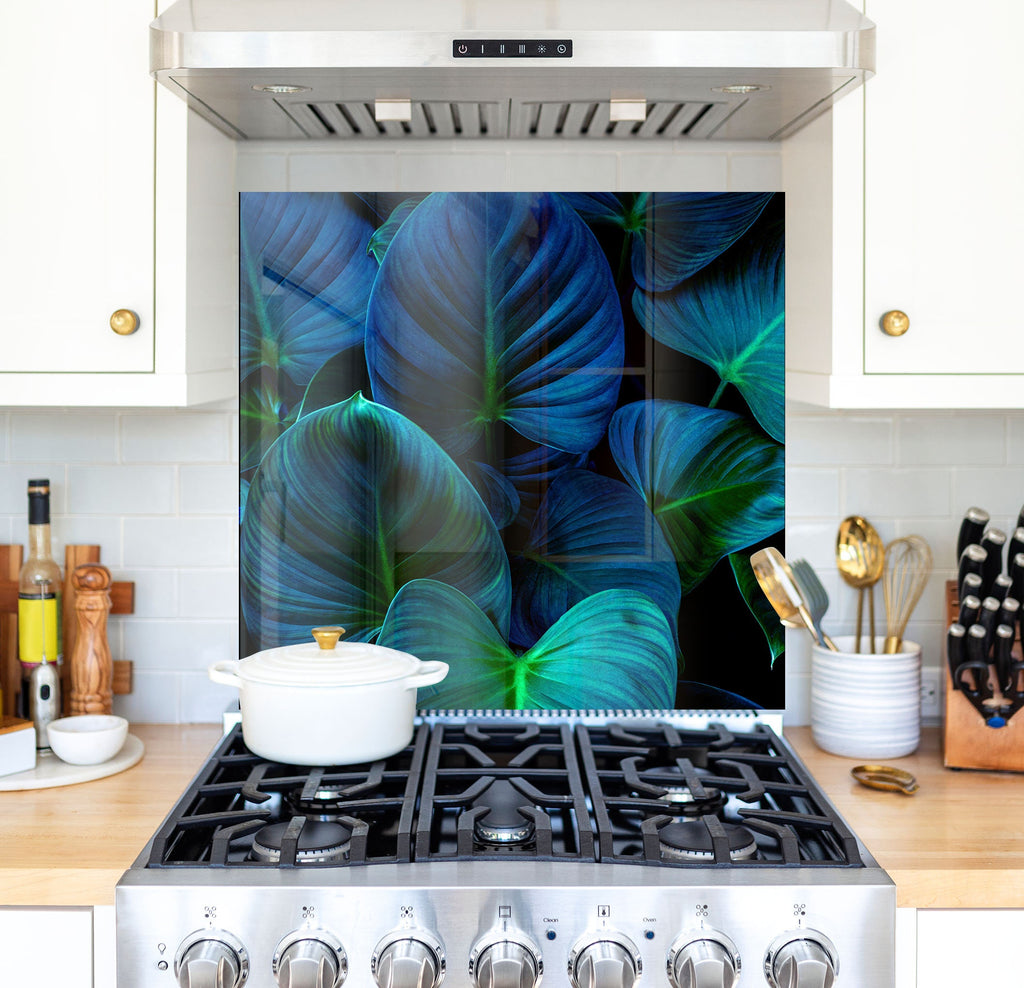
x: 895, y: 323
x: 124, y: 322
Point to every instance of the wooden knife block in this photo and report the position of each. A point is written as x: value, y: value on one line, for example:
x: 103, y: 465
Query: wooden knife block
x: 967, y: 741
x: 122, y: 596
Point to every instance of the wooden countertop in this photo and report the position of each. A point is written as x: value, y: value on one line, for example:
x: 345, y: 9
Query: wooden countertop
x: 959, y: 842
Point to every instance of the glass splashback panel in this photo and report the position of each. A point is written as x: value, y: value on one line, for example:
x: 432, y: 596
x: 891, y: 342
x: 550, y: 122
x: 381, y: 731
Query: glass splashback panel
x: 534, y: 435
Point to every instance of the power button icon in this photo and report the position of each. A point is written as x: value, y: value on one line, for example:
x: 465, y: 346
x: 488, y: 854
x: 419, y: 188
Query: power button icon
x: 463, y: 49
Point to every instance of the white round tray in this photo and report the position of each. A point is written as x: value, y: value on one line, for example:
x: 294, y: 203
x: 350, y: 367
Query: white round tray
x: 50, y: 771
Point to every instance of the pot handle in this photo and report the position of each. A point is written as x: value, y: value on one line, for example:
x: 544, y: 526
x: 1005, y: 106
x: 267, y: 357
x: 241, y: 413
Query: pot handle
x: 224, y: 673
x: 429, y: 673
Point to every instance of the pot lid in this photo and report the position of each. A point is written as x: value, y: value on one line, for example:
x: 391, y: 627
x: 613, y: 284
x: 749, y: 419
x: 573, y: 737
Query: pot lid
x: 328, y: 662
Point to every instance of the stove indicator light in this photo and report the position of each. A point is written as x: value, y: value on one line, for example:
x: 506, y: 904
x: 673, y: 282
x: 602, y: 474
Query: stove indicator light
x: 603, y: 912
x: 551, y: 934
x: 649, y: 934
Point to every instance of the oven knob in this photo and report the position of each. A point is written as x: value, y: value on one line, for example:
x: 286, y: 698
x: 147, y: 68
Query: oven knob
x: 801, y: 959
x: 709, y: 960
x: 505, y: 963
x: 211, y: 959
x: 405, y: 960
x: 609, y: 962
x: 311, y: 959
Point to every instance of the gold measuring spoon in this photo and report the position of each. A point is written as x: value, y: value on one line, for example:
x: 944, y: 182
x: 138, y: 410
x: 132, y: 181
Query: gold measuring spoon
x: 860, y: 559
x: 885, y: 777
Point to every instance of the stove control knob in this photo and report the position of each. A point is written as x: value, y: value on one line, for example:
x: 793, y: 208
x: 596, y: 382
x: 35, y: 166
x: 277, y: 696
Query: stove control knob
x: 310, y: 959
x: 801, y: 959
x: 505, y: 961
x: 408, y: 959
x: 211, y: 959
x: 707, y: 960
x: 608, y: 960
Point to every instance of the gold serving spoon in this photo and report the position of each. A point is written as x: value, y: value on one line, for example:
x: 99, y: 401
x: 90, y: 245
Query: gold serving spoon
x: 860, y: 559
x: 776, y: 580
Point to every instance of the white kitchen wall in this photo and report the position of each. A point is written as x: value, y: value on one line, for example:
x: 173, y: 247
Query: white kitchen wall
x: 157, y: 489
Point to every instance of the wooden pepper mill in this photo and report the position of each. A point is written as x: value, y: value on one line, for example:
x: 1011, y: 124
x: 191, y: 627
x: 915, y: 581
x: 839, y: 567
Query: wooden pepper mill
x: 92, y: 670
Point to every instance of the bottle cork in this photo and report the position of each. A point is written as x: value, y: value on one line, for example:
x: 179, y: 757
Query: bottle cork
x: 92, y: 669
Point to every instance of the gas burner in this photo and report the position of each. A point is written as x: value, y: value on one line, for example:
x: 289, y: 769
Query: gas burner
x: 319, y: 843
x: 326, y: 803
x: 691, y: 841
x: 502, y: 824
x: 681, y: 801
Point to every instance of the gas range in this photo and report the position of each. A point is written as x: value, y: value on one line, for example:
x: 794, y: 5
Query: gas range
x: 497, y: 851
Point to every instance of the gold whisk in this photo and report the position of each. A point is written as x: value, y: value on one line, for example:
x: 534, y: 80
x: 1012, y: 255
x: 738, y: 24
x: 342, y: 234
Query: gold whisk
x: 908, y: 564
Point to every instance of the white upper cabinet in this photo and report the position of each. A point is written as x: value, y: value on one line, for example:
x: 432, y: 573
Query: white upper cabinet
x: 99, y: 218
x: 907, y: 198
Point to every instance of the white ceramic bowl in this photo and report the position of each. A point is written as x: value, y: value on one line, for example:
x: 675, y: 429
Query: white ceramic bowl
x: 88, y: 739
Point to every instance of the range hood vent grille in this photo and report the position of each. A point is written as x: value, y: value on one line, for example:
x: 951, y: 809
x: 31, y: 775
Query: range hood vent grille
x: 574, y: 119
x: 435, y: 119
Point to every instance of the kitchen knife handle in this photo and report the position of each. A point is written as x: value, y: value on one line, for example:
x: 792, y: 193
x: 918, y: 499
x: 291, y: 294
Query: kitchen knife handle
x: 971, y: 528
x: 977, y: 662
x: 988, y: 618
x: 1009, y: 611
x: 972, y: 560
x: 955, y: 649
x: 1016, y: 545
x: 1002, y: 659
x: 1017, y: 576
x: 970, y: 608
x: 993, y: 542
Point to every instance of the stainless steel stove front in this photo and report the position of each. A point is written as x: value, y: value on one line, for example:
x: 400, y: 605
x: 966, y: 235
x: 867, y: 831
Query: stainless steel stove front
x: 486, y: 924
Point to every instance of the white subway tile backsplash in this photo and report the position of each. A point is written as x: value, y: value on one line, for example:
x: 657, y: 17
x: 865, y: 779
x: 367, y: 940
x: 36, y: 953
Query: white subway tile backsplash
x: 208, y: 490
x: 755, y: 172
x: 154, y: 699
x: 471, y: 172
x: 999, y: 490
x: 674, y: 172
x: 1015, y: 439
x: 260, y: 170
x: 178, y: 645
x: 897, y: 493
x: 118, y: 489
x: 816, y: 440
x: 14, y: 478
x: 812, y: 493
x: 208, y: 593
x: 79, y: 437
x: 156, y: 592
x: 367, y: 171
x: 101, y: 530
x: 577, y: 171
x: 175, y: 437
x: 963, y: 439
x: 203, y: 701
x: 180, y: 542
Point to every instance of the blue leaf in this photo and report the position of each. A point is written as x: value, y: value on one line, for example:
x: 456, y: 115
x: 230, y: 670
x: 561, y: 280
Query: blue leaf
x: 672, y: 234
x: 591, y: 533
x: 713, y: 481
x: 305, y: 279
x: 571, y: 667
x: 346, y: 507
x: 496, y: 309
x: 731, y: 316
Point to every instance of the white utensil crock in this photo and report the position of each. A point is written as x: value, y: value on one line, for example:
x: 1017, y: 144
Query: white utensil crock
x: 339, y: 705
x: 866, y: 706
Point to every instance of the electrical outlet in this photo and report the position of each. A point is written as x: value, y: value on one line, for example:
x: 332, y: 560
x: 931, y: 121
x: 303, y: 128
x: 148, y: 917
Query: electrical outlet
x: 931, y: 694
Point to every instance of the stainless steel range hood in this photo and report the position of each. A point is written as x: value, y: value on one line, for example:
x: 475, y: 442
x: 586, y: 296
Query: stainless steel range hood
x: 494, y: 69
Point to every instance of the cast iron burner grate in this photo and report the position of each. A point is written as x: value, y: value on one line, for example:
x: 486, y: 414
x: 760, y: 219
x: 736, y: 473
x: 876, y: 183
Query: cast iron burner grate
x: 625, y: 792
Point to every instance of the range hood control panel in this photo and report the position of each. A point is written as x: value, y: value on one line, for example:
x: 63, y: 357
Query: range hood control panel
x: 512, y: 48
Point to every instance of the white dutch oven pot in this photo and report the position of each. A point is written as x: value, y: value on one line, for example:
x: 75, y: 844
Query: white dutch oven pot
x: 325, y: 703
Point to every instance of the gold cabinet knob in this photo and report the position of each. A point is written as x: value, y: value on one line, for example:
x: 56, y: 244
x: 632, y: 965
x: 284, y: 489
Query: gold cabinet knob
x: 124, y: 322
x: 895, y: 323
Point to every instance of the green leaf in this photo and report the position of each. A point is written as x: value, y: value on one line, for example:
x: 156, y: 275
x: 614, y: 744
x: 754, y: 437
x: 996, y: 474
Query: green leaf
x: 613, y: 650
x: 713, y: 480
x: 350, y: 504
x: 758, y: 604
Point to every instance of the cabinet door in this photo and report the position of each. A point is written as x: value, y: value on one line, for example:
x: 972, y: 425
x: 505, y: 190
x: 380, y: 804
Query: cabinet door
x: 969, y: 947
x: 76, y: 186
x: 944, y: 187
x: 42, y: 946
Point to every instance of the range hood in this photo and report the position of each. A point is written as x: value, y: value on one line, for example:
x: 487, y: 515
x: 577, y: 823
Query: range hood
x: 496, y: 69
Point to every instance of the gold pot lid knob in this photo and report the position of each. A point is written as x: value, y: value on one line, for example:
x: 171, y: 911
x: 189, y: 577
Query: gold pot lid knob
x: 327, y: 636
x: 124, y: 322
x: 895, y: 323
